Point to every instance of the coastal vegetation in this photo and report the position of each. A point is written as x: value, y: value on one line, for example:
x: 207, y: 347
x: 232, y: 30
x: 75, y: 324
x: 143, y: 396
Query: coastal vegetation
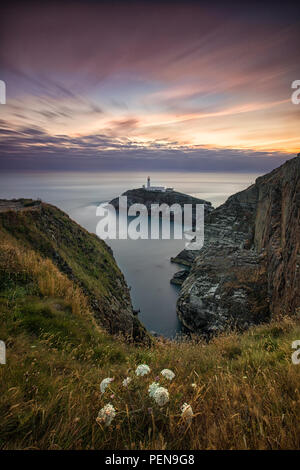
x: 243, y: 389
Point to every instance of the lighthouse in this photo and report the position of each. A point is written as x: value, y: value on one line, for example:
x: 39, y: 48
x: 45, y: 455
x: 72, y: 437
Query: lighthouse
x: 161, y: 189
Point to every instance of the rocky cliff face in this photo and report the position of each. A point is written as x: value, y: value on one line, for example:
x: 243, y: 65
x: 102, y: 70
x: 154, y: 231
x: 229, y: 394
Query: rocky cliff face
x: 277, y: 235
x: 248, y: 269
x: 82, y: 256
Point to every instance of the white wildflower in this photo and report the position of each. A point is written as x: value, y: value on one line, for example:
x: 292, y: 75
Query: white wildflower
x: 106, y: 415
x: 187, y: 412
x: 126, y: 381
x: 152, y: 389
x: 161, y: 396
x: 105, y: 383
x: 194, y: 385
x: 168, y: 374
x: 142, y: 369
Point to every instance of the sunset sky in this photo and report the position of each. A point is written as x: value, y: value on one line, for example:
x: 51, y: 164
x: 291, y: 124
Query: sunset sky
x: 149, y: 85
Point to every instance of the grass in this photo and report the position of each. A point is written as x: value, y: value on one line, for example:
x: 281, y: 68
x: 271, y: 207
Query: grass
x: 50, y: 394
x: 79, y: 255
x: 246, y: 393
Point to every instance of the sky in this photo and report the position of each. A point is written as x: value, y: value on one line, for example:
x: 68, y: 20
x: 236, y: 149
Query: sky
x: 182, y: 86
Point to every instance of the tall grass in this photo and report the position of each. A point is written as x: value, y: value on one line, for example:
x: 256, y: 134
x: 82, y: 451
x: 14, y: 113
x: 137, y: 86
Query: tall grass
x: 245, y: 392
x: 18, y: 263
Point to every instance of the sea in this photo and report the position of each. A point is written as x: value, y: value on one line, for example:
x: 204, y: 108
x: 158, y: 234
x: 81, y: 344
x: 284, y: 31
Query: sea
x: 145, y: 263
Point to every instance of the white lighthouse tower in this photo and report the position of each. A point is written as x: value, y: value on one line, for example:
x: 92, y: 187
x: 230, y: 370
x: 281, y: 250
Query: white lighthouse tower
x: 161, y: 189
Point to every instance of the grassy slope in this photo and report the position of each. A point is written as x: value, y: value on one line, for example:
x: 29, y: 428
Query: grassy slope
x: 82, y: 256
x: 246, y: 395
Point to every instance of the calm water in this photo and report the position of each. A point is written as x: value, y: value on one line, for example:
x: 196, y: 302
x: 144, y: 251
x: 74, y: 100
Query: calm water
x: 145, y: 263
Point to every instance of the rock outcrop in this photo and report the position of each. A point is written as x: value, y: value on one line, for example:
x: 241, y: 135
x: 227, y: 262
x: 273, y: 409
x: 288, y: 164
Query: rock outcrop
x: 147, y: 198
x: 249, y: 267
x: 179, y: 277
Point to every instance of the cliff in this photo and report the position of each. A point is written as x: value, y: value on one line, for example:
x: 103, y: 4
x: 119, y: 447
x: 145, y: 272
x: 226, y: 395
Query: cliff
x: 81, y: 256
x: 248, y: 269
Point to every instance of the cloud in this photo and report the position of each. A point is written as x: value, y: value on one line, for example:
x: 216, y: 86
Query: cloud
x: 181, y: 85
x: 32, y: 148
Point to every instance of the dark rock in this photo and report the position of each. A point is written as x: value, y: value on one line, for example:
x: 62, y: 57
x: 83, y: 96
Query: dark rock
x: 185, y: 257
x: 147, y: 198
x: 248, y: 269
x: 179, y: 277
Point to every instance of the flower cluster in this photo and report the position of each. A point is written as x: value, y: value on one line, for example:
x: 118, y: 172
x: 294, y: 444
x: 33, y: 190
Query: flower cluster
x: 187, y: 413
x: 142, y: 369
x: 104, y: 384
x: 158, y: 393
x: 106, y: 415
x: 126, y: 381
x: 152, y: 389
x: 161, y: 396
x: 168, y: 374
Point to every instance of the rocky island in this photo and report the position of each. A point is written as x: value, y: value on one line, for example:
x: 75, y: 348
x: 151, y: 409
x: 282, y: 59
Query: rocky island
x: 142, y: 196
x: 158, y: 195
x: 249, y: 268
